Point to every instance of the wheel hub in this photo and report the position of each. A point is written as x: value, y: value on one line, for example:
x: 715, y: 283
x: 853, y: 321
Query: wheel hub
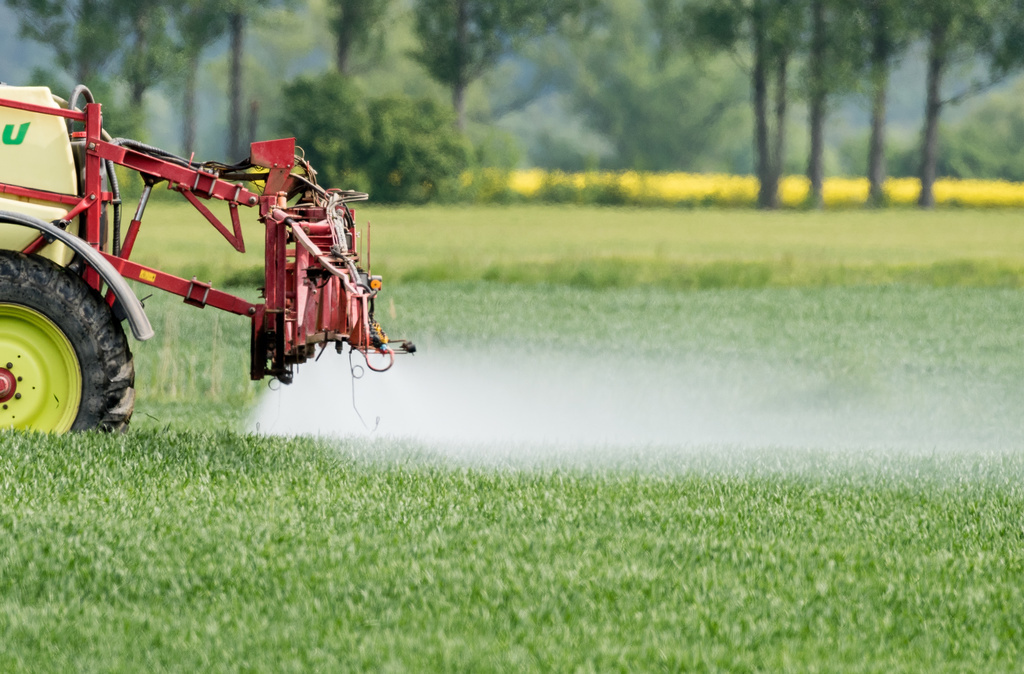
x: 40, y: 379
x: 8, y: 385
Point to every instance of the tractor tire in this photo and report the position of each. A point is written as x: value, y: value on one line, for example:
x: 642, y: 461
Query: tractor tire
x: 65, y: 363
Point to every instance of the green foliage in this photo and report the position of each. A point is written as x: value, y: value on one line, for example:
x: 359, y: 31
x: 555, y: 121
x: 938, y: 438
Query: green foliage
x: 772, y: 34
x: 355, y: 24
x: 415, y: 151
x: 86, y: 38
x: 85, y: 35
x: 881, y: 30
x: 658, y: 111
x: 102, y: 42
x: 957, y: 27
x: 495, y: 149
x: 983, y: 144
x: 198, y: 24
x: 395, y: 147
x: 835, y: 58
x: 485, y: 186
x: 147, y: 59
x: 987, y: 142
x: 902, y: 156
x: 459, y: 41
x: 329, y: 118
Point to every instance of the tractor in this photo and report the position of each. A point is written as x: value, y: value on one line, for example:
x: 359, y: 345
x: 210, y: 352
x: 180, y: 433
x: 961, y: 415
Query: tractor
x: 65, y: 262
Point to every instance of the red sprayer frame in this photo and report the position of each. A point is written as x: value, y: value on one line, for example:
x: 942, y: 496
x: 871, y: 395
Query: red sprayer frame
x: 315, y: 293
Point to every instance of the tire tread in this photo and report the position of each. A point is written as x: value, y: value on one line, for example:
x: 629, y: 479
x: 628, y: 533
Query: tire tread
x: 105, y: 358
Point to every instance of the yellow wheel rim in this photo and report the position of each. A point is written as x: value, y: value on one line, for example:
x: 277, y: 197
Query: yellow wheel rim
x: 40, y: 378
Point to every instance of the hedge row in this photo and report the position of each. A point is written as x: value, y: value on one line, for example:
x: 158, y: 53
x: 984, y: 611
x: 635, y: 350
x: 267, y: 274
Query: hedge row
x: 691, y: 190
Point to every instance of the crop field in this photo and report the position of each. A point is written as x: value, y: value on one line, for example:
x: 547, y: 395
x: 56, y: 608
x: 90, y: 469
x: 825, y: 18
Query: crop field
x: 615, y: 247
x: 807, y: 458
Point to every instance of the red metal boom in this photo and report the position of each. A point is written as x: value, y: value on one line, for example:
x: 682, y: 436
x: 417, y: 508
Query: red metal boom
x: 315, y: 292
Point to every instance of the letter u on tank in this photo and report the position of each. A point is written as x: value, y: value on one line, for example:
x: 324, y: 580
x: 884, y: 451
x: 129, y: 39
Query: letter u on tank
x: 10, y: 139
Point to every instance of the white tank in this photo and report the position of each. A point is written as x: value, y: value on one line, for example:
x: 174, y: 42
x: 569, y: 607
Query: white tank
x: 35, y: 152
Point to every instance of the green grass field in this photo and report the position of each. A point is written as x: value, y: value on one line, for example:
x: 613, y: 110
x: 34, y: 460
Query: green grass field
x: 181, y: 550
x: 615, y: 247
x: 191, y: 543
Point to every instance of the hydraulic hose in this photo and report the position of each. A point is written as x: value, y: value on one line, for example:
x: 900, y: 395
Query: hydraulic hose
x: 67, y: 106
x: 149, y: 149
x: 82, y: 91
x: 115, y: 189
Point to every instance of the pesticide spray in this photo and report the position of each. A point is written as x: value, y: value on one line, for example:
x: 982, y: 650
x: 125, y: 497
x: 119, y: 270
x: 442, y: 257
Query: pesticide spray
x: 490, y: 406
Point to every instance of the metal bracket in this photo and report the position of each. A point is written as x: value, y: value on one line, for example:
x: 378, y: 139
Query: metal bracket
x: 195, y: 301
x: 205, y: 182
x: 140, y: 325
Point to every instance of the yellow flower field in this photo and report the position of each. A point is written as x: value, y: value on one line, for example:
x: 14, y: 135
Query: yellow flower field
x: 694, y: 189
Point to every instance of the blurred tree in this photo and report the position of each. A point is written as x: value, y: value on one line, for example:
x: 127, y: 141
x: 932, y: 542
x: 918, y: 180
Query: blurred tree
x: 416, y: 150
x: 91, y: 38
x: 354, y: 23
x: 199, y: 24
x: 236, y: 27
x: 770, y: 32
x: 398, y: 148
x: 986, y: 142
x: 328, y: 116
x: 953, y: 29
x: 239, y: 13
x: 831, y: 66
x: 459, y: 40
x: 85, y: 35
x: 886, y: 36
x: 658, y: 111
x: 148, y: 56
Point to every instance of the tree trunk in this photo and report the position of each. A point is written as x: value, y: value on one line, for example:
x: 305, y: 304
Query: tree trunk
x: 189, y: 117
x: 933, y: 109
x: 759, y: 83
x: 254, y: 121
x: 816, y: 162
x: 138, y: 85
x: 779, y: 146
x: 84, y: 68
x: 342, y: 55
x: 879, y: 91
x: 459, y: 102
x: 135, y: 73
x: 343, y: 33
x: 237, y: 28
x: 876, y: 151
x: 816, y: 112
x: 137, y: 91
x: 461, y: 79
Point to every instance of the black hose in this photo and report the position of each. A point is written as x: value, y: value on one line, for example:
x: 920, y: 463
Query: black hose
x: 116, y: 203
x: 78, y: 91
x: 81, y: 91
x: 149, y: 149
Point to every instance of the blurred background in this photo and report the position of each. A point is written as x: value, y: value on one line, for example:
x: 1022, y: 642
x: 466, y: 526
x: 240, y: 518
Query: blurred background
x: 410, y: 99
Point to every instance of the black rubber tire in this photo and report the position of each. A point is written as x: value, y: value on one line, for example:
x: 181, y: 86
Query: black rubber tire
x: 104, y: 357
